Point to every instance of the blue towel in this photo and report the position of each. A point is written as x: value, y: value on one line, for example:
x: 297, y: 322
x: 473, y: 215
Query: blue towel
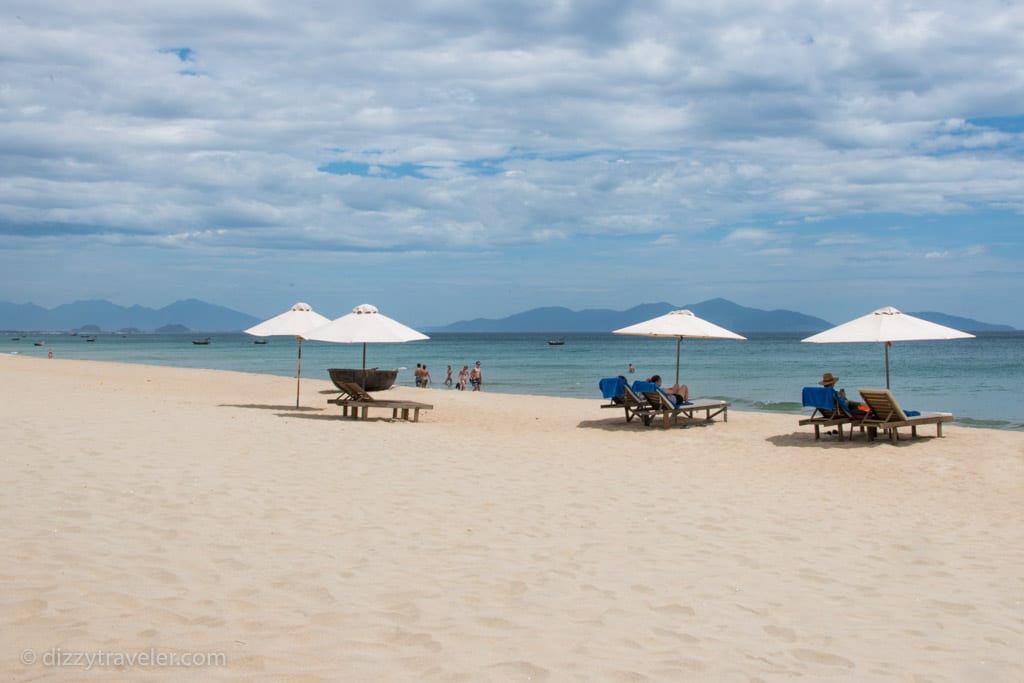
x: 823, y: 398
x: 611, y: 386
x: 641, y: 386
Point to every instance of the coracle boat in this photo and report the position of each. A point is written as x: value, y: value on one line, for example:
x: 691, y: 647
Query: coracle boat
x: 376, y: 379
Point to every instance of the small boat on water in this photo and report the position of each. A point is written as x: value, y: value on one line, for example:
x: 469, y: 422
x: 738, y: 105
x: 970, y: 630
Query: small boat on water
x: 201, y: 342
x: 260, y: 341
x: 40, y: 343
x: 556, y: 342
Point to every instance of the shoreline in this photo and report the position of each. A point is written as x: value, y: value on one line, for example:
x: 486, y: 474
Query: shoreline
x: 503, y: 537
x: 781, y: 408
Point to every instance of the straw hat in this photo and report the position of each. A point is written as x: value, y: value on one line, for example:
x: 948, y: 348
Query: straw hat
x: 828, y: 380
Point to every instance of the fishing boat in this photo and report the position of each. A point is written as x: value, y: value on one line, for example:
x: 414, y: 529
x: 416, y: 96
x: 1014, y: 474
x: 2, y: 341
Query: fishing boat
x: 556, y: 342
x: 371, y: 379
x: 259, y: 341
x: 201, y: 342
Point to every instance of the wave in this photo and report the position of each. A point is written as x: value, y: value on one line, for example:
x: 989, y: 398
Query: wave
x: 989, y: 424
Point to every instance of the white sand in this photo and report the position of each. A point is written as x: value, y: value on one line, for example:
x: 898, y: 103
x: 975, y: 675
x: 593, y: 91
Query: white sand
x: 502, y: 538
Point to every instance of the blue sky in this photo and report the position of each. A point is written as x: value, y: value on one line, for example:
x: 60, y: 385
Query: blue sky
x: 458, y: 159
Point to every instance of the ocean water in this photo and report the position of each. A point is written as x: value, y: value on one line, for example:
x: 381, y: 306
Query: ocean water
x: 976, y: 379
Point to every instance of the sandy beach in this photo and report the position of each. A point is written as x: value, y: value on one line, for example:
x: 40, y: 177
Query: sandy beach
x: 198, y: 516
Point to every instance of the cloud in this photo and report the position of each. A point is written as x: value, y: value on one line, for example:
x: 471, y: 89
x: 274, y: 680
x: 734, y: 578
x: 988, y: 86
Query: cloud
x: 291, y: 128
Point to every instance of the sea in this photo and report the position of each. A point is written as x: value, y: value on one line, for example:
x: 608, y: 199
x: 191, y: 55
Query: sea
x: 978, y: 380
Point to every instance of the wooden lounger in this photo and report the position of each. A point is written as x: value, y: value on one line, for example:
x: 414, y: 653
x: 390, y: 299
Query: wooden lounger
x: 887, y: 415
x: 829, y: 417
x: 635, y: 405
x: 670, y: 412
x: 356, y: 403
x: 400, y: 410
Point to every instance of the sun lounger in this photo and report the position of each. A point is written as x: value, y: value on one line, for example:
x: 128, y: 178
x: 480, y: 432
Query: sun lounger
x: 612, y: 389
x: 662, y: 404
x: 828, y: 411
x: 887, y: 415
x: 357, y: 403
x: 621, y: 395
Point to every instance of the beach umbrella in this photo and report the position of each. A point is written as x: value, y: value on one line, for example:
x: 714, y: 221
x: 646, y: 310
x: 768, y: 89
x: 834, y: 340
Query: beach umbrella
x: 295, y: 322
x: 679, y: 324
x: 886, y: 325
x: 365, y: 325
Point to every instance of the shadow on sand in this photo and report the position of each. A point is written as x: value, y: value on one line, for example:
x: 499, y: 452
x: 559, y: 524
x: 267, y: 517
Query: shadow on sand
x: 829, y: 441
x: 264, y: 406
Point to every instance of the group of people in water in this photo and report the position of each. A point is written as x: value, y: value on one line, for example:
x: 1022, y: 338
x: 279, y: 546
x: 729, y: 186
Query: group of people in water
x: 472, y: 376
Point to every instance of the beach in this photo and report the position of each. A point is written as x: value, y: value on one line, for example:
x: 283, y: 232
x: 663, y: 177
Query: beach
x: 503, y: 537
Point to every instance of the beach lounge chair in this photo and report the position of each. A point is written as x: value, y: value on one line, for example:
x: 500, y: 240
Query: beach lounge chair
x: 612, y: 389
x: 662, y: 404
x: 887, y: 415
x: 357, y: 402
x: 829, y: 411
x: 620, y: 395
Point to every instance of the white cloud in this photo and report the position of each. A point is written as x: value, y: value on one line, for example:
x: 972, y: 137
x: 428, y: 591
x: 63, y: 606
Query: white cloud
x: 499, y: 126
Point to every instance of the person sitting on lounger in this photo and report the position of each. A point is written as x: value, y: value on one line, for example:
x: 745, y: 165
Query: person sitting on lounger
x: 850, y: 407
x: 679, y: 393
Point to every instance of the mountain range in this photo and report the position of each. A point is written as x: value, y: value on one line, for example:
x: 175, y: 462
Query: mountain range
x: 722, y: 312
x: 104, y: 315
x: 193, y: 315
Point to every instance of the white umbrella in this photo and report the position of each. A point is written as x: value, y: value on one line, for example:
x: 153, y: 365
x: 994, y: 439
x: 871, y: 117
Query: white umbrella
x: 679, y: 324
x: 295, y: 322
x: 364, y: 325
x: 886, y: 325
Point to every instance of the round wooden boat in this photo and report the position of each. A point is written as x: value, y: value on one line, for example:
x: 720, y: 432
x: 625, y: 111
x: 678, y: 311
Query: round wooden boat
x: 376, y: 379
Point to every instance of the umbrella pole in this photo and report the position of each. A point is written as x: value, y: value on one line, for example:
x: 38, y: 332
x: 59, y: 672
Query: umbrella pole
x: 298, y: 374
x: 887, y: 364
x: 364, y: 366
x: 679, y: 343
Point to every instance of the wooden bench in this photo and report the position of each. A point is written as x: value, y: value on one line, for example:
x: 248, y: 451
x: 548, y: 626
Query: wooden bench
x: 400, y: 410
x: 356, y: 402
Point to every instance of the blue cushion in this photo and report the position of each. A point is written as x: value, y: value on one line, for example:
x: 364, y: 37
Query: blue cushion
x: 611, y: 386
x: 823, y: 398
x: 641, y: 386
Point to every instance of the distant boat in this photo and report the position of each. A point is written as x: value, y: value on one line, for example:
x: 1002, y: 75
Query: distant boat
x: 40, y: 343
x: 556, y: 342
x: 260, y: 341
x: 201, y: 342
x: 90, y: 339
x: 15, y: 338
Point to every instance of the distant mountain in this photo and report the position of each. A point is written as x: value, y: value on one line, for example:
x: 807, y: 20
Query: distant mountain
x: 958, y: 323
x: 722, y: 312
x: 719, y: 311
x: 190, y: 313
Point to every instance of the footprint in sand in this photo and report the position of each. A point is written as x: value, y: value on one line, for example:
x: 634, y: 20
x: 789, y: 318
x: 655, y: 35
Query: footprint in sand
x: 952, y: 607
x: 521, y: 671
x: 786, y: 634
x: 818, y: 657
x: 675, y: 608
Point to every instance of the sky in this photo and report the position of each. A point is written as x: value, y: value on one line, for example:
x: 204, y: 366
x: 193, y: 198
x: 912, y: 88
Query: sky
x: 455, y: 159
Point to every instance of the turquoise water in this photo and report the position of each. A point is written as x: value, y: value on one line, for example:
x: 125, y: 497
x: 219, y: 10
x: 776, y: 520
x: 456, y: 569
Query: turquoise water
x: 976, y: 379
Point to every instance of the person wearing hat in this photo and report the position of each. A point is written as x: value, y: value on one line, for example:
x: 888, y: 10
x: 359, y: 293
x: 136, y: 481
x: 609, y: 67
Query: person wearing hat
x: 828, y: 380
